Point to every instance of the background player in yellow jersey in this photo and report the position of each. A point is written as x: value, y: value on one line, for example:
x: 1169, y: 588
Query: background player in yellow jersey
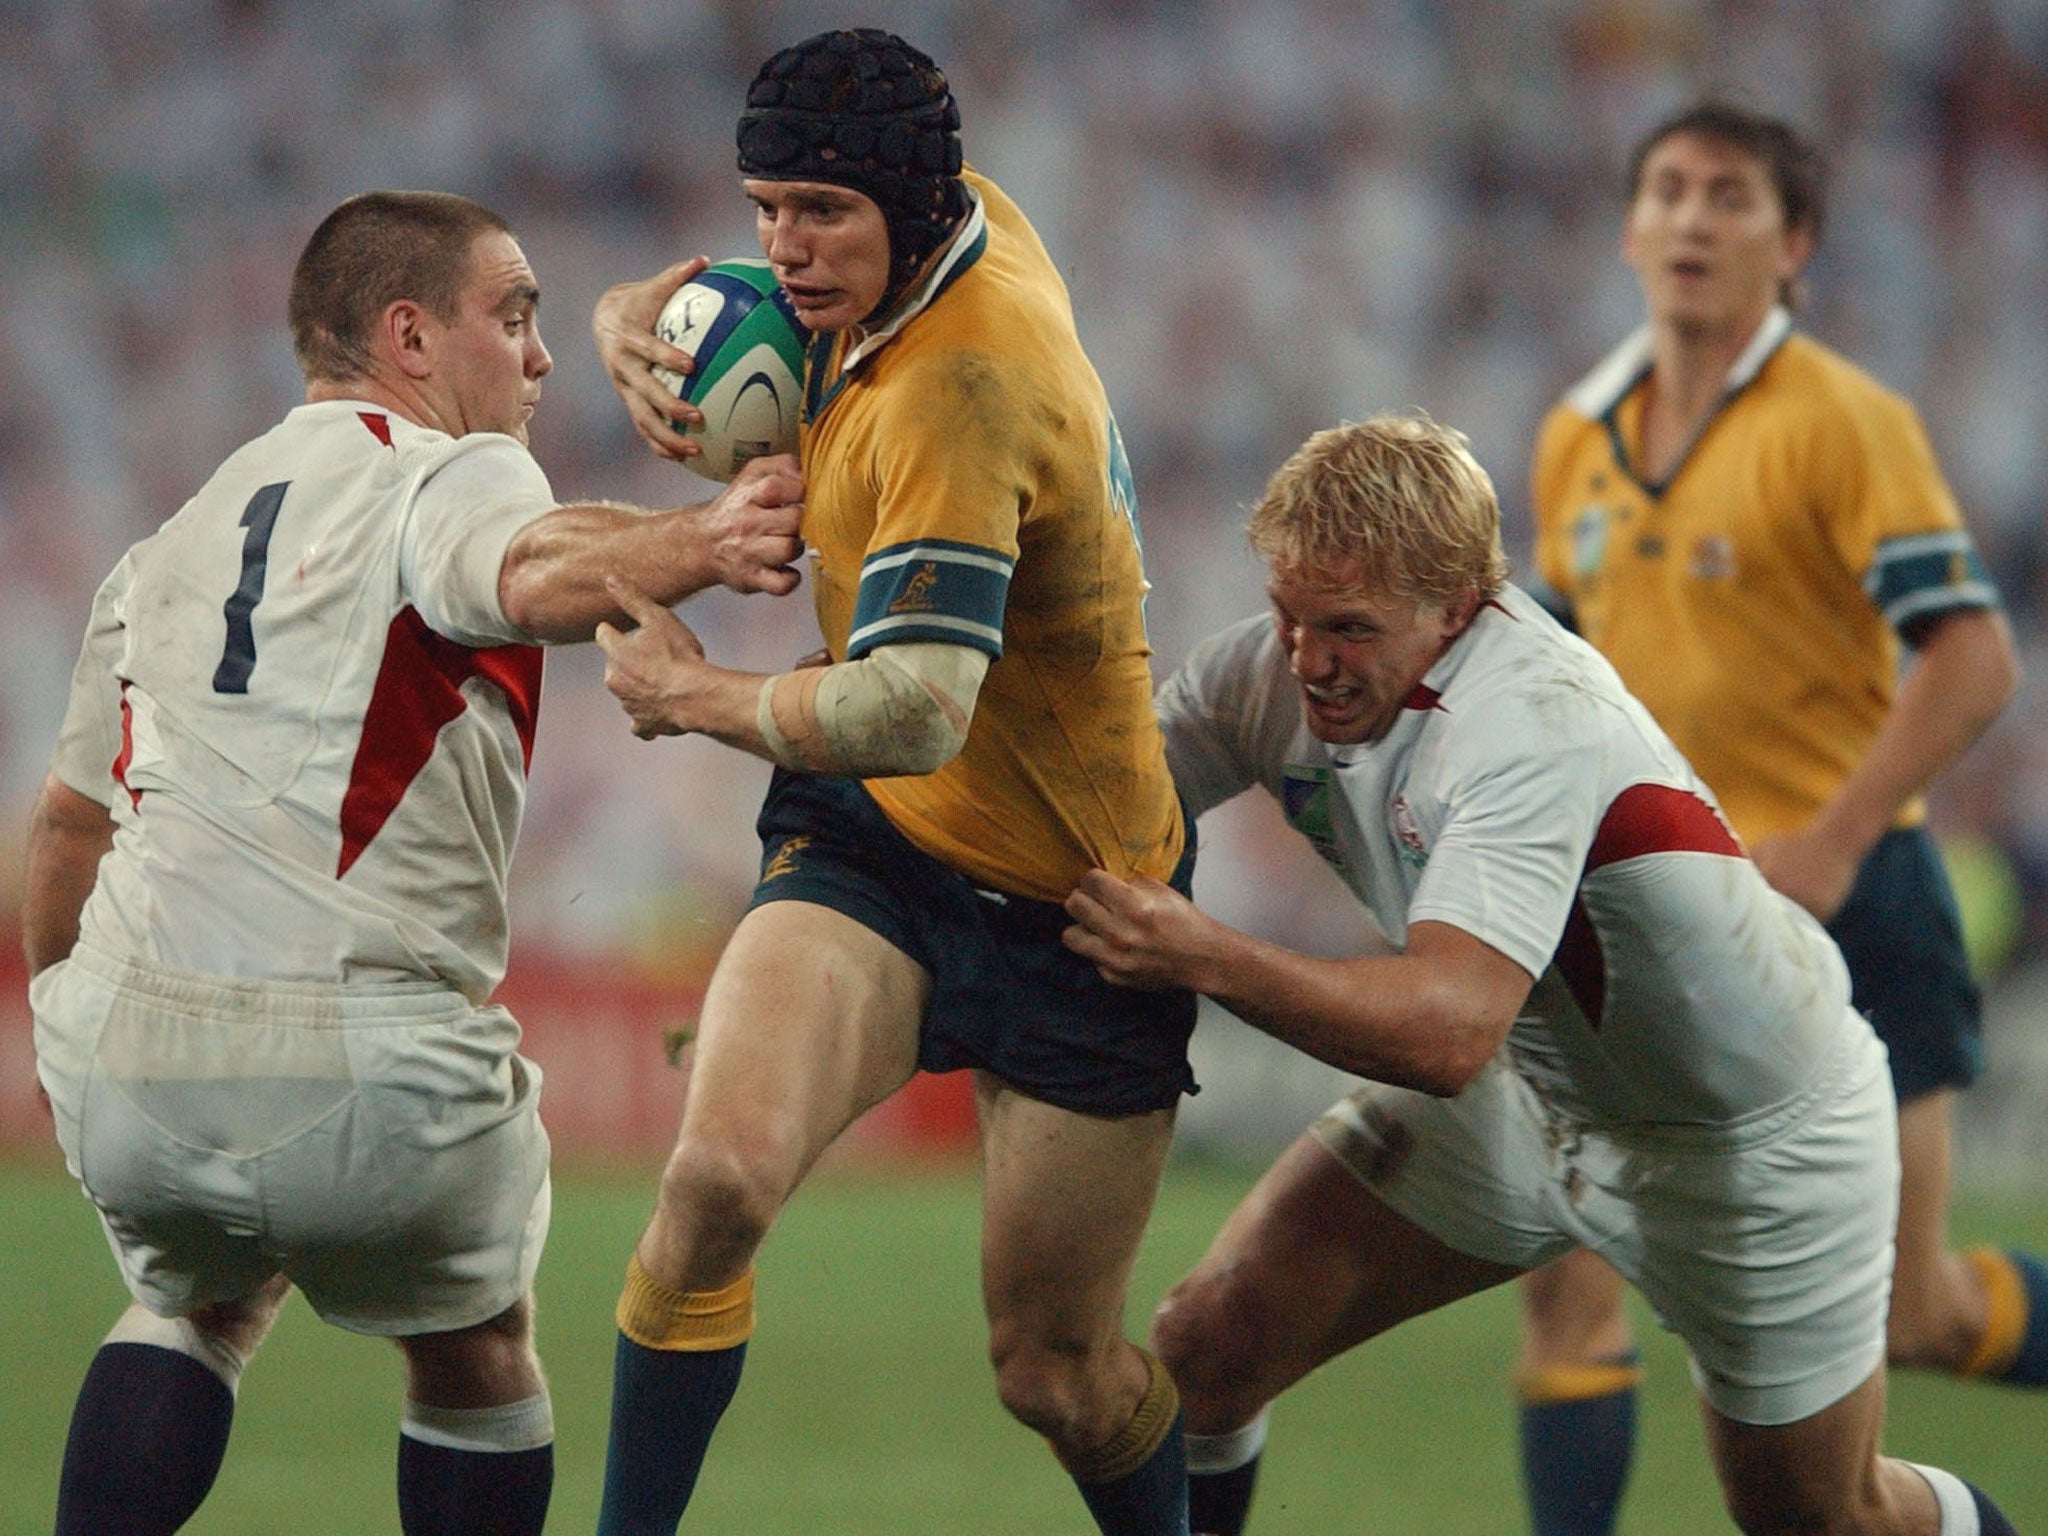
x: 1747, y: 526
x: 982, y: 736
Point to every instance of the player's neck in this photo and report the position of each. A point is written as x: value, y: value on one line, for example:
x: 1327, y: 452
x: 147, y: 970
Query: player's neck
x: 1689, y: 367
x: 372, y: 391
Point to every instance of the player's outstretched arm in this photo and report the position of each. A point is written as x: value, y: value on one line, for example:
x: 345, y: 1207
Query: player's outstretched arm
x: 623, y: 327
x: 68, y: 834
x: 552, y: 584
x: 1428, y: 1018
x: 904, y: 709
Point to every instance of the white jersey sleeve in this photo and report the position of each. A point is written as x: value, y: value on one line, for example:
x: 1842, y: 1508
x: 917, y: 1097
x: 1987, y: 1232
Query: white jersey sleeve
x: 90, y: 738
x: 1516, y: 803
x: 1216, y: 719
x: 469, y: 503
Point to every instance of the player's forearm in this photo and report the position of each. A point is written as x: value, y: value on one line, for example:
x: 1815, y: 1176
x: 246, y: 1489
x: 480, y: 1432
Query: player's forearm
x: 905, y: 709
x: 552, y: 583
x: 68, y: 835
x: 1964, y: 676
x: 1389, y: 1018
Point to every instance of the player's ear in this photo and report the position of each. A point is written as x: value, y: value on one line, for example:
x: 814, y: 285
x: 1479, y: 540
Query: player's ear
x: 405, y: 333
x: 1797, y: 252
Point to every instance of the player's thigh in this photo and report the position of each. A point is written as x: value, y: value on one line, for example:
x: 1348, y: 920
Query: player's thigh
x: 425, y: 1205
x: 1772, y: 1258
x: 1065, y: 1200
x: 1572, y: 1310
x: 1926, y: 1162
x: 165, y: 1091
x: 485, y: 1365
x: 811, y: 1019
x: 1310, y: 1263
x: 1823, y: 1472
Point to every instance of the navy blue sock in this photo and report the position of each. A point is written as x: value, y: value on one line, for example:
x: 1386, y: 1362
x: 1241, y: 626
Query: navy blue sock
x: 1575, y: 1462
x: 1991, y: 1519
x: 1220, y: 1502
x: 147, y: 1436
x: 665, y: 1404
x: 1151, y: 1500
x: 2029, y: 1368
x: 446, y: 1492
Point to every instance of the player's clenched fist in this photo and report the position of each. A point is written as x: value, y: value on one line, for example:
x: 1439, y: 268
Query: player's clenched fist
x: 751, y: 529
x: 1139, y: 933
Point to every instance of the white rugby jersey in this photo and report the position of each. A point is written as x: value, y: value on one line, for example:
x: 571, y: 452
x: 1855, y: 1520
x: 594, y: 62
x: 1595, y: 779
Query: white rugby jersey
x: 1523, y: 796
x: 306, y: 709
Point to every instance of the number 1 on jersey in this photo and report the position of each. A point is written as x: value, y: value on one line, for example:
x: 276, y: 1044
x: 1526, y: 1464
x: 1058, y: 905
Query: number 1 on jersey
x: 238, y: 656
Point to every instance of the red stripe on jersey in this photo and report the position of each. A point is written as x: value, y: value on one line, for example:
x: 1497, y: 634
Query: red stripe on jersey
x: 1644, y: 818
x: 1656, y: 818
x: 126, y: 755
x: 419, y: 690
x: 379, y: 425
x: 1423, y: 697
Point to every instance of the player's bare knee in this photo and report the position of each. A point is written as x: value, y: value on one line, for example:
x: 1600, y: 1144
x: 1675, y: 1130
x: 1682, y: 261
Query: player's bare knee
x: 1203, y: 1340
x: 720, y: 1196
x: 485, y: 1364
x: 243, y: 1324
x: 1045, y: 1384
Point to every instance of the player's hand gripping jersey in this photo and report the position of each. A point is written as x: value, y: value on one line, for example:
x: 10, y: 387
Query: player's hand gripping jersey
x: 965, y: 483
x: 1525, y: 798
x: 339, y: 806
x: 1750, y: 600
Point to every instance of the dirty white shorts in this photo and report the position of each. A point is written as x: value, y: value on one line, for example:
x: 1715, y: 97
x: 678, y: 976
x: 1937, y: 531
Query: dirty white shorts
x: 379, y: 1145
x: 1766, y: 1246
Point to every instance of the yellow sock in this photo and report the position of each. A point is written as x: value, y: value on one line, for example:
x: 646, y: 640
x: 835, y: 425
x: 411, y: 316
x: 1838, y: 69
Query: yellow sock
x: 655, y: 1317
x: 1132, y: 1446
x: 2005, y: 1323
x: 1578, y: 1383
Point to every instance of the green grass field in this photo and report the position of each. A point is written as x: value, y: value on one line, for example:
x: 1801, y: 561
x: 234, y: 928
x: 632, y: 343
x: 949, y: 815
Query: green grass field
x: 867, y: 1408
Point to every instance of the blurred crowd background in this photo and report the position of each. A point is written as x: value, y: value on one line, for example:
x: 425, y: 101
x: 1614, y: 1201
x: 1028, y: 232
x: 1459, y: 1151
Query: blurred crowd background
x: 1272, y: 214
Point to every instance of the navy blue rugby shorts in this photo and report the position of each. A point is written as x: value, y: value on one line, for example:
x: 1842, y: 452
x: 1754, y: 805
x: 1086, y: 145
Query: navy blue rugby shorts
x: 1902, y: 936
x: 1007, y: 996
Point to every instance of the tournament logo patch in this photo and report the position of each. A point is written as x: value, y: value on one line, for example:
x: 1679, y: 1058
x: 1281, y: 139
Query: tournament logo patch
x: 1407, y: 832
x: 1589, y: 540
x: 1305, y: 802
x: 1713, y: 558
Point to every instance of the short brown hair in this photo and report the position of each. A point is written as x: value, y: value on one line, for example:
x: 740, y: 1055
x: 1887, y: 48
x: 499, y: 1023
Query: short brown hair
x: 1396, y: 503
x: 1796, y: 168
x: 372, y: 251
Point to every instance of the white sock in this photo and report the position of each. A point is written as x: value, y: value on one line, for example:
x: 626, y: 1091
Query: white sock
x: 522, y: 1426
x: 1958, y: 1509
x: 1226, y: 1453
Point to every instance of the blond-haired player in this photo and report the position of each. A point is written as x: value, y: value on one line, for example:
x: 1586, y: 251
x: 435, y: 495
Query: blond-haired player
x: 1599, y: 1025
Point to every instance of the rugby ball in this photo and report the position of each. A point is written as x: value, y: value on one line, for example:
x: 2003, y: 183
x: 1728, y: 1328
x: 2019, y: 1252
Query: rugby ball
x: 736, y: 321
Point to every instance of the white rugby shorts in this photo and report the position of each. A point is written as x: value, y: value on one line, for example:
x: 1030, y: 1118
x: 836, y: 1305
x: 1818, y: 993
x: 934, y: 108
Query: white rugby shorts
x: 1765, y: 1245
x: 380, y: 1145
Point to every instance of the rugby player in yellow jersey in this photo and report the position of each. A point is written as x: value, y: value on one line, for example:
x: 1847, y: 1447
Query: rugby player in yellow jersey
x: 982, y: 736
x: 1748, y: 526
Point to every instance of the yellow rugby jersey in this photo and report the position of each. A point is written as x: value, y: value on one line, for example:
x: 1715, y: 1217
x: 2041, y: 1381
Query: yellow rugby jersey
x: 1753, y: 601
x: 964, y: 482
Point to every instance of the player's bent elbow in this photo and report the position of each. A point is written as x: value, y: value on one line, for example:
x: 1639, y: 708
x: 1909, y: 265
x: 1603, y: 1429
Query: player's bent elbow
x: 1462, y: 1054
x: 932, y: 742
